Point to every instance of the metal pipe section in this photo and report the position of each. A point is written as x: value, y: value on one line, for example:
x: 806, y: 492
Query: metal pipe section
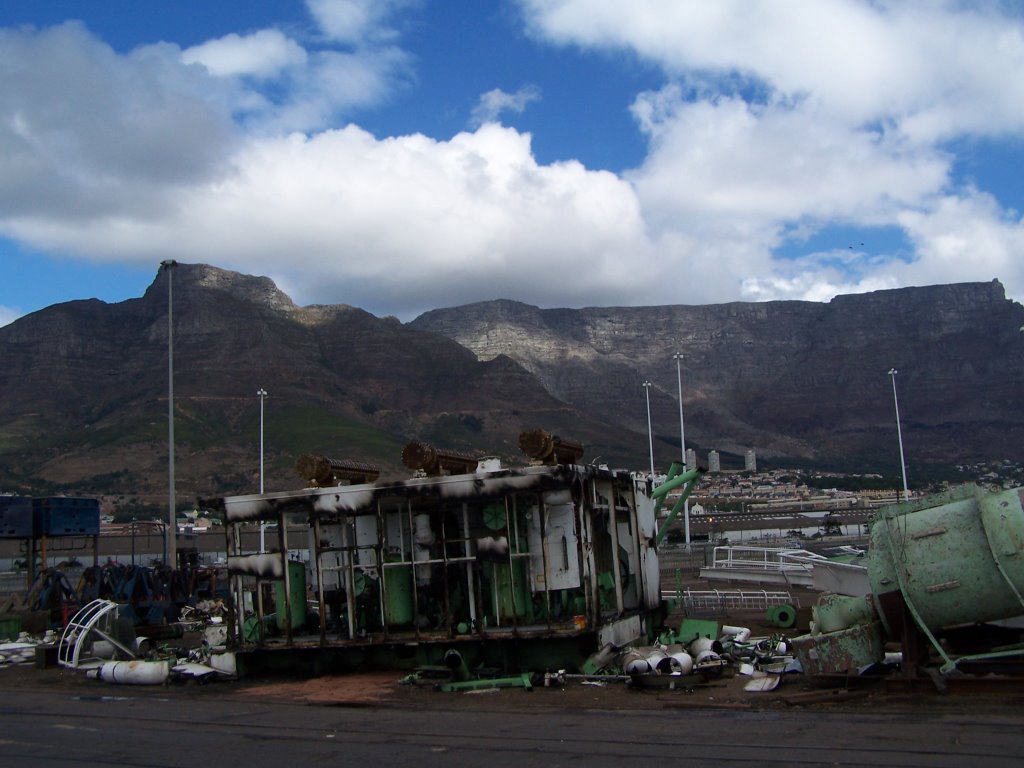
x: 323, y: 471
x: 676, y: 477
x: 546, y: 448
x: 736, y: 634
x: 134, y: 672
x: 454, y: 661
x: 436, y: 461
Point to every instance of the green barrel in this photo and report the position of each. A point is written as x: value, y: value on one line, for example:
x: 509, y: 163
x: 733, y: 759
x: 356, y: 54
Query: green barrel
x: 398, y: 585
x: 297, y: 595
x: 510, y: 596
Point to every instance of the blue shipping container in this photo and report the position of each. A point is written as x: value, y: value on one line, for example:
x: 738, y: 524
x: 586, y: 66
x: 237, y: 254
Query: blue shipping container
x: 15, y: 517
x: 66, y: 516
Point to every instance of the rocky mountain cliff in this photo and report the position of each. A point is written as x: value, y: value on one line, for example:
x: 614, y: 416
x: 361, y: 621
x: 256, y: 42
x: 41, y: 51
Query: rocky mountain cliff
x: 83, y: 385
x: 83, y: 391
x: 788, y: 379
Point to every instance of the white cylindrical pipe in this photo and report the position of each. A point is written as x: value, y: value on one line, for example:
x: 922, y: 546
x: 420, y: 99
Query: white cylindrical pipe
x: 635, y: 663
x: 103, y: 649
x: 134, y: 672
x: 657, y: 659
x: 423, y: 534
x: 700, y: 645
x: 738, y: 634
x: 224, y: 662
x: 682, y: 662
x: 704, y: 656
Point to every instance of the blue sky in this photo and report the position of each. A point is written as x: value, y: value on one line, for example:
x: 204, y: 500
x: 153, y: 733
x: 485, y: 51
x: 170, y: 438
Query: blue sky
x: 402, y: 155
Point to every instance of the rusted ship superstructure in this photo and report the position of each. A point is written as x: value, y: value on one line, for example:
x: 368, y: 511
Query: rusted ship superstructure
x: 553, y: 560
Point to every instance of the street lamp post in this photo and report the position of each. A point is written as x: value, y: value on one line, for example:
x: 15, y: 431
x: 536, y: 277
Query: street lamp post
x: 650, y: 433
x: 261, y: 393
x: 170, y: 549
x: 678, y: 357
x: 899, y: 433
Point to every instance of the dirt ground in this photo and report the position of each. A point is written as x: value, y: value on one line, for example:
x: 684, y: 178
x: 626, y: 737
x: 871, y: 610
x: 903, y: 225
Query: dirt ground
x: 390, y: 689
x: 387, y: 689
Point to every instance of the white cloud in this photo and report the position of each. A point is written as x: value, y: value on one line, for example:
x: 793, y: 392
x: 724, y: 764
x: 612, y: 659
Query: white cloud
x: 793, y: 116
x: 937, y: 69
x: 962, y: 236
x: 311, y: 88
x: 357, y: 21
x: 87, y: 133
x: 496, y: 101
x: 768, y: 124
x: 334, y: 84
x: 397, y: 225
x: 262, y: 54
x: 773, y: 163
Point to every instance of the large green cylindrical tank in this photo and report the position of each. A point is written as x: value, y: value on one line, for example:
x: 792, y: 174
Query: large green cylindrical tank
x: 509, y: 596
x: 398, y: 601
x: 297, y: 595
x: 957, y: 558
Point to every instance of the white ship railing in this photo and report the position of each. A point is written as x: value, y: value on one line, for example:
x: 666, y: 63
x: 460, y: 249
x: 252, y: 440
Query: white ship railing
x: 727, y: 599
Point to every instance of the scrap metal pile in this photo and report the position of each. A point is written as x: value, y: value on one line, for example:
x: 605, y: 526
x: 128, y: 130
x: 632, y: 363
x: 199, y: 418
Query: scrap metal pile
x: 101, y: 641
x: 947, y: 585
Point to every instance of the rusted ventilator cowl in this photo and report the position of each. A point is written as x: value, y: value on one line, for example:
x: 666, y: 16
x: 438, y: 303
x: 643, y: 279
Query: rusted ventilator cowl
x: 546, y: 448
x: 323, y: 471
x: 438, y: 461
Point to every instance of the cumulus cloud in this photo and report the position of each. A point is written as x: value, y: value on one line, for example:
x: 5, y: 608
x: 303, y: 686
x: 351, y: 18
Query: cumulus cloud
x: 794, y: 116
x: 395, y: 225
x: 961, y: 236
x: 928, y: 65
x: 262, y: 54
x: 85, y: 132
x: 356, y: 22
x: 496, y: 101
x: 771, y: 122
x: 356, y: 68
x: 774, y: 162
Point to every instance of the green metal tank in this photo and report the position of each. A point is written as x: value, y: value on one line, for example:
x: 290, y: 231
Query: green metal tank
x: 509, y: 595
x: 955, y: 558
x: 297, y: 595
x: 398, y: 586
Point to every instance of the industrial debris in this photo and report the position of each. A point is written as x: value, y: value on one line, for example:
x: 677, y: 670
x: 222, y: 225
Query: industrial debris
x: 467, y: 555
x: 941, y: 569
x: 477, y: 577
x: 104, y: 644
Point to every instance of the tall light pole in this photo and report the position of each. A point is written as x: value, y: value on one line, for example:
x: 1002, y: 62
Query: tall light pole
x: 650, y: 433
x: 171, y: 554
x: 899, y: 434
x: 678, y: 357
x: 261, y: 393
x: 682, y: 428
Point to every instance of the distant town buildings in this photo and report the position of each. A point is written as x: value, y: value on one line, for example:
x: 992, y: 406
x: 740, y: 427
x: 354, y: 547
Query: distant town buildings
x: 714, y: 462
x: 750, y: 461
x: 691, y: 458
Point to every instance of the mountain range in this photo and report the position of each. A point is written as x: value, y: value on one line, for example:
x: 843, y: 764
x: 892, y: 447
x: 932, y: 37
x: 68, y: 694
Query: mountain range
x: 84, y: 385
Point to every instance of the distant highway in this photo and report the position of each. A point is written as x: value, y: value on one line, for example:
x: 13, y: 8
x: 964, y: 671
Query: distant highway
x: 780, y: 520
